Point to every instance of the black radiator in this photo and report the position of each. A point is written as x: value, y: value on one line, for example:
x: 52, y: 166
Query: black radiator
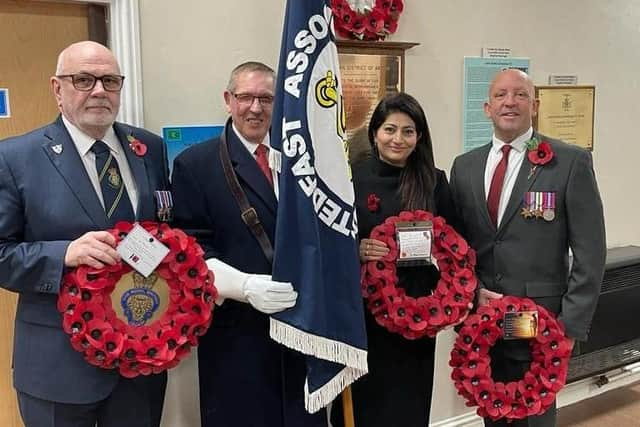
x: 614, y: 340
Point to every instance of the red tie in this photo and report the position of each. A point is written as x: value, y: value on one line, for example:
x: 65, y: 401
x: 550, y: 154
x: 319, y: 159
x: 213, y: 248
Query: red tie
x: 493, y: 201
x: 262, y: 159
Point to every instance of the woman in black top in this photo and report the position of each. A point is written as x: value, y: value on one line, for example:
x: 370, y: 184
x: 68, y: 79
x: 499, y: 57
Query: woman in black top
x: 401, y: 174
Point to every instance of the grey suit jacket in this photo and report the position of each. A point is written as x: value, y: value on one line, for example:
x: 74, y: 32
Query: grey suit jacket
x: 529, y: 257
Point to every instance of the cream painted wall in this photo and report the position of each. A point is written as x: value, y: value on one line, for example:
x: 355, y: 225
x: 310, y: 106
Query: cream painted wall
x: 188, y: 49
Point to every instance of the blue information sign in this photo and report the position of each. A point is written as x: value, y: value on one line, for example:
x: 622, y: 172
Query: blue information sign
x: 178, y: 138
x: 4, y: 103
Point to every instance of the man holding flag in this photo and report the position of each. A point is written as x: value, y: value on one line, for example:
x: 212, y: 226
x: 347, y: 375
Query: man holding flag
x: 225, y: 194
x: 246, y: 379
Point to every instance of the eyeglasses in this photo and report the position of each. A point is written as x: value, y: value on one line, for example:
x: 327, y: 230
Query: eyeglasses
x: 247, y: 99
x: 86, y: 82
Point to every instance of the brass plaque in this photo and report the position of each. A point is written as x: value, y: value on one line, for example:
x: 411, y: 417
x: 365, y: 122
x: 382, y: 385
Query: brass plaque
x: 567, y: 113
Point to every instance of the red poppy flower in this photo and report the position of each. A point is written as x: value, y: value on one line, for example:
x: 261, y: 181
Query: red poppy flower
x: 555, y: 377
x: 121, y: 229
x: 541, y: 155
x: 156, y: 352
x: 499, y: 402
x: 339, y: 5
x: 73, y: 324
x: 174, y: 338
x: 201, y: 312
x: 390, y: 24
x: 94, y: 279
x: 465, y: 281
x: 519, y: 409
x: 373, y: 202
x: 346, y: 18
x: 466, y: 339
x: 68, y: 298
x: 454, y: 242
x: 184, y: 259
x: 475, y: 367
x: 192, y: 277
x: 396, y: 6
x: 421, y: 215
x: 358, y: 27
x: 384, y: 5
x: 379, y: 307
x: 488, y: 334
x: 137, y: 146
x: 483, y: 391
x: 375, y: 21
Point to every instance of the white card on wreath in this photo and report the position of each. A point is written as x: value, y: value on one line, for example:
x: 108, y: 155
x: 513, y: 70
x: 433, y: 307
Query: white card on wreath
x: 142, y: 251
x: 414, y: 244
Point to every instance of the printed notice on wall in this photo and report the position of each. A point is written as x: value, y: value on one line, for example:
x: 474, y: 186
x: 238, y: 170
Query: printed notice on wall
x: 478, y: 73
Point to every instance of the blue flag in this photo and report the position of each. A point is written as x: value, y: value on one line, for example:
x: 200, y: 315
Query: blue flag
x: 315, y: 242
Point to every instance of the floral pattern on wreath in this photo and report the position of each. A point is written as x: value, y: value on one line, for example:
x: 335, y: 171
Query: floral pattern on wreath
x: 411, y: 317
x: 366, y: 19
x: 536, y: 391
x: 135, y: 348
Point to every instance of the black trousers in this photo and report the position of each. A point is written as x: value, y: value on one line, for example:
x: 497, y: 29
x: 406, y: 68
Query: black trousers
x: 135, y: 402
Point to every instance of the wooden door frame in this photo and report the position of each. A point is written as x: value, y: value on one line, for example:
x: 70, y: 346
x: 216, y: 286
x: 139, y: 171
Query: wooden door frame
x: 124, y: 41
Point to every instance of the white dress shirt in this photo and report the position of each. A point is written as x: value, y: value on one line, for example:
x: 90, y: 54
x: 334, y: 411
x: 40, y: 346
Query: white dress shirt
x: 516, y: 156
x: 84, y: 142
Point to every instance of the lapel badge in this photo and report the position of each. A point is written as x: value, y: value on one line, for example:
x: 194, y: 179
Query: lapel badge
x: 164, y: 203
x: 57, y: 148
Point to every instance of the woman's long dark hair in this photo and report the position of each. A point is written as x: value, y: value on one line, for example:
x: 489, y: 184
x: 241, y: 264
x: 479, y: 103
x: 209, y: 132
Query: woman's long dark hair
x: 417, y: 179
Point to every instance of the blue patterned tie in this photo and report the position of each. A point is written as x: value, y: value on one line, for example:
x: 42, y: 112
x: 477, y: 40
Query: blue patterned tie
x: 117, y: 205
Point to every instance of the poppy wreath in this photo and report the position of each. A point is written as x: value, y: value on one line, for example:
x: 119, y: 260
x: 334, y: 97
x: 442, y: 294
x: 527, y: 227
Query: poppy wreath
x: 108, y: 342
x: 367, y: 23
x: 536, y: 391
x: 411, y: 317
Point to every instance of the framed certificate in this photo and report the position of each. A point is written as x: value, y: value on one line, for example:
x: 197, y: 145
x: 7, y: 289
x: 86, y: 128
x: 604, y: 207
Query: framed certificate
x: 566, y: 113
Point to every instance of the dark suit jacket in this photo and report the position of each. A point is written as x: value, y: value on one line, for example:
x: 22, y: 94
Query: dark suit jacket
x: 47, y: 201
x: 529, y: 257
x: 245, y: 377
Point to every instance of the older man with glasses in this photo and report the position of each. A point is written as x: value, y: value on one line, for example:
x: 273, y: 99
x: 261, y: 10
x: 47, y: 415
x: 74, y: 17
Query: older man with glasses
x: 54, y: 210
x: 246, y: 378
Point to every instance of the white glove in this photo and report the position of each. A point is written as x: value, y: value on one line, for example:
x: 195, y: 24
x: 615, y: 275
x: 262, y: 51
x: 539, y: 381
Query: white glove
x: 259, y: 290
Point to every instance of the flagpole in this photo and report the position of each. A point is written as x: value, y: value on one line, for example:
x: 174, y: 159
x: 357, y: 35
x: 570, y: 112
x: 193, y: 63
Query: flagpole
x: 347, y: 408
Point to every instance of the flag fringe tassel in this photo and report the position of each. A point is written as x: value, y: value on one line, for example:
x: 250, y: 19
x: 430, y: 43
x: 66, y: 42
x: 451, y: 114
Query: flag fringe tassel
x: 354, y: 359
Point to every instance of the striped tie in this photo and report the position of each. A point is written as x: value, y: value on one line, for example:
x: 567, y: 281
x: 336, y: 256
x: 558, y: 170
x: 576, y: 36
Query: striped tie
x: 117, y: 205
